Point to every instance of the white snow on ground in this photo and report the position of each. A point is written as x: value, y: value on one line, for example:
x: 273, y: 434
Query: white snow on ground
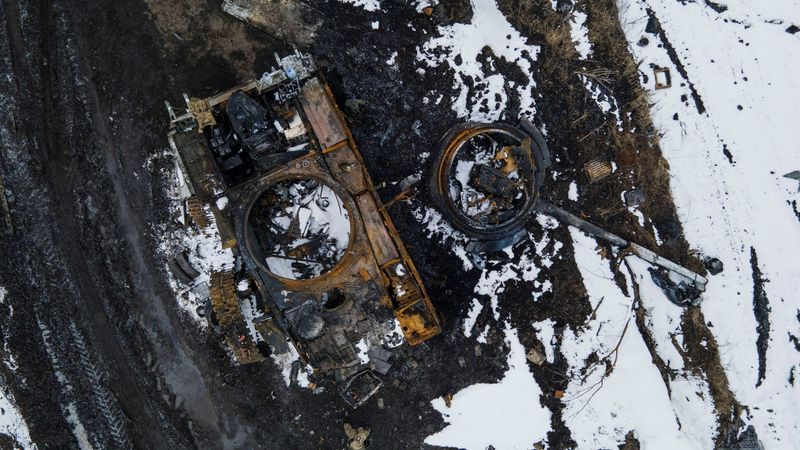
x: 744, y: 58
x: 580, y: 34
x: 472, y: 317
x: 602, y: 406
x: 545, y: 331
x: 506, y: 415
x: 460, y: 45
x: 596, y: 87
x: 573, y: 192
x: 11, y: 421
x: 436, y: 226
x: 369, y: 5
x: 206, y: 255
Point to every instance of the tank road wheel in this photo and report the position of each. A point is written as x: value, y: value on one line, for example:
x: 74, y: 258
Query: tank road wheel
x: 224, y: 301
x: 196, y: 212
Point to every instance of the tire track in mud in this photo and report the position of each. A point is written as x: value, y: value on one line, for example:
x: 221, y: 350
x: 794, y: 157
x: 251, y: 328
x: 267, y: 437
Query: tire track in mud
x: 60, y: 258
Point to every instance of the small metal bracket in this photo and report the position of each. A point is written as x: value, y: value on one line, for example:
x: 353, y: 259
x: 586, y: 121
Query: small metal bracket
x: 662, y: 77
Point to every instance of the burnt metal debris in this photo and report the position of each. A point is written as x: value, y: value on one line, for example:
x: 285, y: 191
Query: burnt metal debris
x: 486, y: 181
x: 289, y: 20
x: 319, y: 261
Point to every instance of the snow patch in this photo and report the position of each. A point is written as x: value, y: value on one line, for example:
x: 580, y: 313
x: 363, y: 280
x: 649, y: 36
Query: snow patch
x: 506, y: 414
x: 11, y: 421
x: 472, y: 317
x: 460, y: 45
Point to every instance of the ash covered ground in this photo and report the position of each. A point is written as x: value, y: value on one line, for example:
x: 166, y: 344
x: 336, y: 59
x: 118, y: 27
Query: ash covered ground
x: 98, y: 353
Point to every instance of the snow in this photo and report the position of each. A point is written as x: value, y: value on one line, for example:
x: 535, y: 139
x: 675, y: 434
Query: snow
x: 472, y: 317
x: 506, y: 414
x: 573, y: 192
x: 362, y: 349
x: 459, y: 45
x: 580, y: 34
x: 545, y: 332
x: 601, y: 407
x: 368, y: 5
x: 11, y: 421
x: 222, y: 203
x: 319, y: 214
x: 744, y: 70
x: 602, y: 96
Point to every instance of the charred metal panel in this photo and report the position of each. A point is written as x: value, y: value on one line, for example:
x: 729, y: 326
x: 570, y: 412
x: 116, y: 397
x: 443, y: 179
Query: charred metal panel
x: 382, y: 244
x: 322, y: 114
x: 197, y: 165
x: 346, y: 168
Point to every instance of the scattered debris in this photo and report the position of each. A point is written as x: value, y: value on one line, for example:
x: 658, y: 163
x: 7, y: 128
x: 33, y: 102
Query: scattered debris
x: 536, y: 357
x: 448, y: 400
x: 356, y: 437
x: 794, y: 175
x: 634, y: 197
x: 361, y: 387
x: 597, y: 169
x: 662, y: 77
x: 713, y: 266
x: 691, y: 280
x: 680, y: 293
x: 289, y: 20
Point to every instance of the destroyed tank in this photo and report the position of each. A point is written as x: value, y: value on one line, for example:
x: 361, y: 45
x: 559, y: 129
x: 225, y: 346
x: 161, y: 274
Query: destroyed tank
x: 272, y: 164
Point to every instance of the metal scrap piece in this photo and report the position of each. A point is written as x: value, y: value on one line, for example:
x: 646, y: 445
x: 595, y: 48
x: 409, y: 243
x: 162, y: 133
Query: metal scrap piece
x: 289, y: 20
x: 597, y: 169
x: 360, y: 388
x: 662, y: 77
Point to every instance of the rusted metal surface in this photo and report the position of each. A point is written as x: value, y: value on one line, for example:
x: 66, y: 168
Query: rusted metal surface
x: 194, y: 206
x: 322, y: 114
x: 597, y: 169
x: 334, y: 293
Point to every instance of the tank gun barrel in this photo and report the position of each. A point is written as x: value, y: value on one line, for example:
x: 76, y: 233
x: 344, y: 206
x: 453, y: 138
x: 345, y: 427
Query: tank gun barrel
x: 648, y: 255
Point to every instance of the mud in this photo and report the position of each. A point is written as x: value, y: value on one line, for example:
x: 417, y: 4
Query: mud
x: 761, y: 310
